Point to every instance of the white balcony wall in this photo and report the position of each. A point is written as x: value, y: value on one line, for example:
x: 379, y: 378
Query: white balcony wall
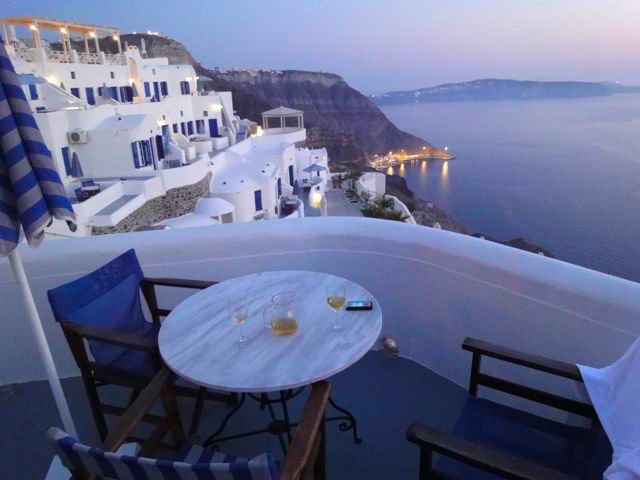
x: 434, y: 287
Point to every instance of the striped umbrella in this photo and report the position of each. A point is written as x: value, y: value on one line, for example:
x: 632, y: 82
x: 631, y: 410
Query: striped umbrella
x: 31, y: 196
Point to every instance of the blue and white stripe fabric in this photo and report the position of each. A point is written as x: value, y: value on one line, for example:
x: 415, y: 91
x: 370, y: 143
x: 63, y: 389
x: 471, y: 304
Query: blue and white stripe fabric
x: 31, y: 193
x: 196, y: 463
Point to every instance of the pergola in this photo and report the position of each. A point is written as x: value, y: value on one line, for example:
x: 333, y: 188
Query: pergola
x: 35, y: 24
x: 283, y: 114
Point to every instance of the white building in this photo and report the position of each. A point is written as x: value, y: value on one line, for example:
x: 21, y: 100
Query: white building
x: 136, y: 143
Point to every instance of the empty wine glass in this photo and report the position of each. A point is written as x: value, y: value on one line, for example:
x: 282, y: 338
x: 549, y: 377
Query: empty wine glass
x: 239, y: 311
x: 336, y: 299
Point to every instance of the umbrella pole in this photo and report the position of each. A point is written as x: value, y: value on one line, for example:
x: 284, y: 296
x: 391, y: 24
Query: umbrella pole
x: 43, y: 346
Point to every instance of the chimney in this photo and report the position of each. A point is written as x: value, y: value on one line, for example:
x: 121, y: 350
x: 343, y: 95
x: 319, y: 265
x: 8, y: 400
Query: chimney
x: 143, y: 47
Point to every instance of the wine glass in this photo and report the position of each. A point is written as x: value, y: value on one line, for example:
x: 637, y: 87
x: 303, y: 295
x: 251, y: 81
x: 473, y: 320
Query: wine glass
x: 336, y: 299
x: 239, y: 311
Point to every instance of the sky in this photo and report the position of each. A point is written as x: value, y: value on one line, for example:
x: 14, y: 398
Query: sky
x: 383, y: 45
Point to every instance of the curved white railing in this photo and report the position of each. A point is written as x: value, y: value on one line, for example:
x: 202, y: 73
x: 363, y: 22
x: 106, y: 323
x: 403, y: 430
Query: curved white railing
x: 115, y: 59
x: 434, y: 287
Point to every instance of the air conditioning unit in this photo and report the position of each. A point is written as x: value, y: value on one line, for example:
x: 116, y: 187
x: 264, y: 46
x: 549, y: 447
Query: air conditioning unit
x: 77, y: 135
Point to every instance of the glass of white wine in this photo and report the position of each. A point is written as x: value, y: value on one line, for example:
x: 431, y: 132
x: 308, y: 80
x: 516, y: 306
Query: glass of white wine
x: 239, y: 312
x: 336, y: 299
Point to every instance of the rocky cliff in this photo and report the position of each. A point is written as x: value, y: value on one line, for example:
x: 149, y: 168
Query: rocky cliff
x: 336, y: 116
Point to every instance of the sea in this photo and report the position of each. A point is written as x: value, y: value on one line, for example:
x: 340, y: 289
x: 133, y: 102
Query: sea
x: 563, y: 174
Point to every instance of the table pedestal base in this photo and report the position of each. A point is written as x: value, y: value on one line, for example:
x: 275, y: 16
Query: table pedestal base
x: 277, y: 426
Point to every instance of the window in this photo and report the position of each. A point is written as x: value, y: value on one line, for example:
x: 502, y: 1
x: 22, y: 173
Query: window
x: 91, y: 99
x: 100, y: 91
x: 75, y: 92
x: 142, y: 153
x: 136, y: 154
x: 205, y: 113
x: 175, y: 128
x: 114, y: 92
x: 257, y: 196
x: 33, y: 92
x: 185, y: 89
x: 147, y: 89
x: 200, y: 127
x: 183, y: 128
x: 190, y: 128
x: 112, y: 75
x: 73, y: 75
x: 164, y: 89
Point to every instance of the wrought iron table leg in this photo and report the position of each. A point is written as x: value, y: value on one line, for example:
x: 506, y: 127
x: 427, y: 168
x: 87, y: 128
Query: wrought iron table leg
x: 211, y: 438
x: 197, y: 412
x: 348, y: 421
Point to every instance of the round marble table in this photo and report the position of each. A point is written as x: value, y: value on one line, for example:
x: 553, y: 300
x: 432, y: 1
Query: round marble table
x: 199, y: 341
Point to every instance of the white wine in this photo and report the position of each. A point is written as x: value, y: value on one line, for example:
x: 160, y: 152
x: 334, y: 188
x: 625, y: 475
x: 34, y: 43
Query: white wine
x: 284, y: 326
x: 239, y: 318
x: 336, y: 303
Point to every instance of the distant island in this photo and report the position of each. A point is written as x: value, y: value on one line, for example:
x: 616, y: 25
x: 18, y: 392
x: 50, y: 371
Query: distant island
x: 497, y: 89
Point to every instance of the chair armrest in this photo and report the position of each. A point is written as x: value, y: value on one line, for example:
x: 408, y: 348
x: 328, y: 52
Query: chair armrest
x: 179, y: 283
x: 301, y: 449
x: 132, y: 416
x: 134, y: 342
x: 479, y: 456
x: 536, y: 362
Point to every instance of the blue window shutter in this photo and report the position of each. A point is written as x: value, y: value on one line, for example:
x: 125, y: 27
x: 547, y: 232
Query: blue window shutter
x: 33, y: 92
x: 291, y: 179
x: 99, y: 91
x: 213, y: 127
x: 91, y: 99
x: 147, y: 89
x: 75, y: 92
x: 187, y: 88
x: 190, y: 128
x: 175, y: 128
x: 136, y: 157
x: 257, y: 195
x: 183, y: 128
x: 67, y: 160
x: 164, y: 88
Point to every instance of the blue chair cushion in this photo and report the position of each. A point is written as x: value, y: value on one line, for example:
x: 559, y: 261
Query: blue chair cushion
x: 193, y: 462
x: 581, y: 452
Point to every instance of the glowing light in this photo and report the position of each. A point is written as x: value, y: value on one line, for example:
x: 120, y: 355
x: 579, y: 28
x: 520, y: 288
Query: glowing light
x: 390, y: 153
x: 92, y: 34
x: 446, y: 149
x: 33, y: 27
x: 188, y: 79
x: 51, y: 79
x: 402, y: 166
x: 445, y: 169
x: 423, y: 167
x: 390, y: 171
x: 316, y: 199
x: 424, y: 148
x: 115, y: 37
x: 131, y: 80
x: 63, y: 30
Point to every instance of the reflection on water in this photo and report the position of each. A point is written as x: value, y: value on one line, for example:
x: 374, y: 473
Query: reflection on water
x: 445, y: 170
x: 423, y: 168
x: 390, y: 171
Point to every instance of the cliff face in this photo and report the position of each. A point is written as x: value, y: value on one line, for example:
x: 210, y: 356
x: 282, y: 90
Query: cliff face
x: 336, y: 116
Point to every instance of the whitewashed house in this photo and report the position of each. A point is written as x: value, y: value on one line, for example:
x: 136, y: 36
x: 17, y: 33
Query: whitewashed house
x: 137, y: 144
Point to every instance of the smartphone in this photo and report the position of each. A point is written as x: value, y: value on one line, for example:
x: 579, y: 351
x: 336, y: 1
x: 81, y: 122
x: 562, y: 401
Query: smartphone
x: 359, y: 305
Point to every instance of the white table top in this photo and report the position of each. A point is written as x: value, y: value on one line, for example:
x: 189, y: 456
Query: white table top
x: 199, y: 341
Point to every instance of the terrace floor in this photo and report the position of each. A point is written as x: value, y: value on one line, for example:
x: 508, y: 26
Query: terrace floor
x: 385, y: 394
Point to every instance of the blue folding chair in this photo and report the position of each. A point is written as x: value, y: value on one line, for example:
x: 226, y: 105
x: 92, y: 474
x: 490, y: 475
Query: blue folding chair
x: 104, y: 309
x: 492, y: 441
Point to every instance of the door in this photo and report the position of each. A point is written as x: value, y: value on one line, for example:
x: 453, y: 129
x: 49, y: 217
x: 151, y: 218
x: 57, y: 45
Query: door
x: 257, y: 196
x: 160, y: 146
x: 190, y: 128
x: 91, y: 99
x: 66, y: 160
x: 213, y: 127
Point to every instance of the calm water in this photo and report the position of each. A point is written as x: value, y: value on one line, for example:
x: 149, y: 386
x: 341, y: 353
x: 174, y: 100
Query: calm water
x: 564, y: 174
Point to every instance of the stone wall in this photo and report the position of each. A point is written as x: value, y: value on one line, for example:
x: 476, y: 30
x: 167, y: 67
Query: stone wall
x: 176, y: 202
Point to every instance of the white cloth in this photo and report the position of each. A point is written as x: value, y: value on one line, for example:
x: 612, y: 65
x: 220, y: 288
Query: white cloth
x: 615, y: 394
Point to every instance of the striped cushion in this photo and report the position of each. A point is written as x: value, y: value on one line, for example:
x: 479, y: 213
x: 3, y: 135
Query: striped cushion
x: 196, y: 463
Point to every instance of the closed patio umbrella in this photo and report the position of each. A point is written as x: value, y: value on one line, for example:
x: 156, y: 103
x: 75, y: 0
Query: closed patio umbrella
x: 314, y: 167
x: 76, y: 166
x: 296, y: 188
x: 134, y: 89
x: 106, y: 93
x: 31, y: 196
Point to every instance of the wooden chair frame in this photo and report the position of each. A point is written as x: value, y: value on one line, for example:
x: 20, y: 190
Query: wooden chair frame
x: 432, y: 441
x: 305, y: 457
x: 95, y: 375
